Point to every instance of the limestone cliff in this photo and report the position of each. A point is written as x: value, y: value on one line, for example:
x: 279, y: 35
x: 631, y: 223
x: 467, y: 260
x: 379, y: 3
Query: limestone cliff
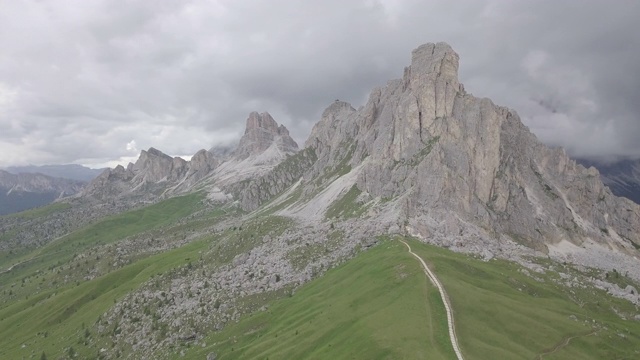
x: 262, y: 133
x: 449, y: 159
x: 263, y: 146
x: 152, y: 174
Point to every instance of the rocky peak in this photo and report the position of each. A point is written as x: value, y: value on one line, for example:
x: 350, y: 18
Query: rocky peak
x: 330, y: 130
x: 337, y: 108
x: 261, y: 133
x: 204, y: 159
x: 151, y: 155
x: 263, y: 122
x: 440, y: 151
x: 433, y: 77
x: 153, y: 165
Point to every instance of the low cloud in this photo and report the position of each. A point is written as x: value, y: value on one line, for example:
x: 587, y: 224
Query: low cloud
x: 89, y: 77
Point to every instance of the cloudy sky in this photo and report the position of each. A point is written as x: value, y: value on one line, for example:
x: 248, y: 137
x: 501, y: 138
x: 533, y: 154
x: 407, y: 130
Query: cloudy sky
x: 93, y: 82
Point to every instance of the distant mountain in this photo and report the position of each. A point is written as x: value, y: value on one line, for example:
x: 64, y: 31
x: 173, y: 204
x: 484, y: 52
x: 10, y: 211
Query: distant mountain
x: 25, y: 191
x: 70, y: 171
x: 622, y: 177
x: 263, y: 145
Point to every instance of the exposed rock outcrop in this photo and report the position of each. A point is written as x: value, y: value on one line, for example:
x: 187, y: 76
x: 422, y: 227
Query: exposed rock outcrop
x: 151, y: 174
x: 438, y: 155
x: 622, y: 177
x: 264, y: 145
x: 261, y: 134
x: 455, y: 159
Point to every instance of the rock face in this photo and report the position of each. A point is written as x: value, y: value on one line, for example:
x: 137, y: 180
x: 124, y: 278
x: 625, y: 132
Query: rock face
x: 452, y: 161
x: 261, y: 134
x: 443, y: 160
x: 151, y: 173
x: 264, y: 145
x: 23, y: 191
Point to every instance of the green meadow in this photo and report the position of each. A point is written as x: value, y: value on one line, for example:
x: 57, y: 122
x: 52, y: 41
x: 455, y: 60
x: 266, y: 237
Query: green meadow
x: 379, y: 305
x: 40, y: 312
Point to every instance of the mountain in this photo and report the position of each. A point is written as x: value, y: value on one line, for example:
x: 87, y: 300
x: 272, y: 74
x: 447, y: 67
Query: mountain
x: 263, y: 145
x: 168, y: 258
x: 25, y: 191
x: 151, y: 175
x: 426, y: 157
x: 262, y: 134
x: 449, y: 164
x: 71, y: 171
x: 622, y: 177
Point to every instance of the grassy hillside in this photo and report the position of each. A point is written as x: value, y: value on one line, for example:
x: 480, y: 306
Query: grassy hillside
x: 58, y: 320
x: 108, y: 230
x: 48, y: 304
x: 504, y: 311
x: 376, y: 306
x: 379, y: 306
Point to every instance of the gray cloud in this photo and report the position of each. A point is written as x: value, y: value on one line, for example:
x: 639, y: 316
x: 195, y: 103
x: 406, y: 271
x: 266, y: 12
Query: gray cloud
x: 80, y: 81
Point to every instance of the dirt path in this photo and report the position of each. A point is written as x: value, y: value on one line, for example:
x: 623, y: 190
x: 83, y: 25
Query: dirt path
x: 445, y: 300
x: 564, y: 342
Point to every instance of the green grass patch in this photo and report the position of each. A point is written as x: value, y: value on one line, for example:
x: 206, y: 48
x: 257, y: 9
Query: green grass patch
x: 270, y: 209
x: 376, y: 306
x: 53, y: 321
x: 240, y: 239
x: 108, y: 230
x: 501, y: 313
x: 342, y: 168
x: 380, y: 306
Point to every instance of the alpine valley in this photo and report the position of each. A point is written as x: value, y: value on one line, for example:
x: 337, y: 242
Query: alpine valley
x: 276, y: 251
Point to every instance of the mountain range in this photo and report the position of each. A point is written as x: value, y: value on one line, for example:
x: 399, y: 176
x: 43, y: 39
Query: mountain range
x: 444, y: 161
x: 25, y: 191
x: 69, y: 171
x: 268, y: 249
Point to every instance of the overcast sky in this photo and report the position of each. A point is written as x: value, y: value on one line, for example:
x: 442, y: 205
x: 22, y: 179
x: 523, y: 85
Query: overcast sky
x: 94, y: 82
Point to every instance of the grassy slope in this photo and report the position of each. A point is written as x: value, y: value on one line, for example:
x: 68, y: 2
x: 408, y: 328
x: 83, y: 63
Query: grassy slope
x: 64, y: 313
x: 376, y: 306
x: 8, y: 257
x: 108, y: 230
x: 61, y: 311
x: 364, y: 309
x: 346, y: 206
x: 502, y: 313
